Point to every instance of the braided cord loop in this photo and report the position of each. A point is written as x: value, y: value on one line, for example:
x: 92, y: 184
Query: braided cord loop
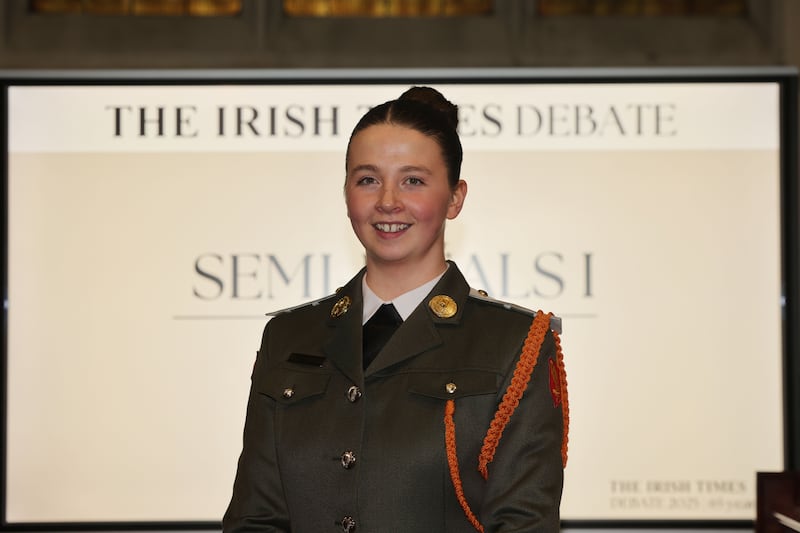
x: 512, y: 396
x: 509, y: 403
x: 452, y: 462
x: 562, y: 373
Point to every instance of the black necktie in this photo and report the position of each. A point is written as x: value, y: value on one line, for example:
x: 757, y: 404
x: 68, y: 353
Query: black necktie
x: 378, y: 330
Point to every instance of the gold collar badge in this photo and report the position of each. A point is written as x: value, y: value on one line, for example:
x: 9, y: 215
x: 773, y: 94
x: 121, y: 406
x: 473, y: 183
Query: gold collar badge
x: 340, y: 307
x: 443, y: 306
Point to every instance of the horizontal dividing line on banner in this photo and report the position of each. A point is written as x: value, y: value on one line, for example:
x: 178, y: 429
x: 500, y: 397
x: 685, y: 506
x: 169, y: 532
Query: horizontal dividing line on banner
x: 259, y: 317
x: 219, y: 317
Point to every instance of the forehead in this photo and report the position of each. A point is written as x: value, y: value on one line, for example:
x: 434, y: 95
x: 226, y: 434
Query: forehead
x: 392, y: 140
x: 391, y: 131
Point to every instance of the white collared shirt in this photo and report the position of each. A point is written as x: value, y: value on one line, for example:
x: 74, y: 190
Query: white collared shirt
x: 405, y: 303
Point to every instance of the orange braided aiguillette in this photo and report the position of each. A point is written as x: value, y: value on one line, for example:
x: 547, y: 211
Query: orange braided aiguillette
x: 519, y: 382
x: 564, y: 398
x: 452, y: 462
x: 509, y: 403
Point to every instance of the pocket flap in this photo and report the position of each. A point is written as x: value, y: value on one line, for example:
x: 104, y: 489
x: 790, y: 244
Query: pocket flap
x: 452, y: 385
x: 288, y: 386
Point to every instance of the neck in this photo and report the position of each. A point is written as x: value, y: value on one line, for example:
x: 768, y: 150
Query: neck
x: 390, y: 281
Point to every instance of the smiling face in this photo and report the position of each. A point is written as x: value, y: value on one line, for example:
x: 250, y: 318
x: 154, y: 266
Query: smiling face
x: 398, y: 199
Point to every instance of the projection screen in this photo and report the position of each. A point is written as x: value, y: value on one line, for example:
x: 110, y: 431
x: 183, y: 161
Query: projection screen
x: 151, y: 224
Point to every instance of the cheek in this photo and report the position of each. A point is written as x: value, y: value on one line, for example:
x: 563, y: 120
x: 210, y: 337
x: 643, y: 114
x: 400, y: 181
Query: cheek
x: 354, y: 205
x: 348, y: 201
x: 432, y: 211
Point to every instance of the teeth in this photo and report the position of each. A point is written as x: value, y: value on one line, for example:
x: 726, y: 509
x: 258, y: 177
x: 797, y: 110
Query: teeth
x: 391, y: 228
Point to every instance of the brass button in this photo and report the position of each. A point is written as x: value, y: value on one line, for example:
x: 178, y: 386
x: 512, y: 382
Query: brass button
x: 450, y: 388
x: 483, y: 292
x: 443, y: 306
x: 353, y: 394
x: 348, y: 460
x: 288, y: 393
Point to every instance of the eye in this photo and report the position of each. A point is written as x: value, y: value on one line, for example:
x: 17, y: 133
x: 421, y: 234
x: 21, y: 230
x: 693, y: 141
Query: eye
x: 414, y: 180
x: 366, y: 180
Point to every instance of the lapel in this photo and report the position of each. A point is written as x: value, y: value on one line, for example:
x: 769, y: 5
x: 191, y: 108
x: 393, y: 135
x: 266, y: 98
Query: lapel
x: 343, y: 348
x: 420, y: 332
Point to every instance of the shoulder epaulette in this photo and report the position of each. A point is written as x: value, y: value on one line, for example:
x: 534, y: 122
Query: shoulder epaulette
x: 555, y: 321
x: 312, y: 303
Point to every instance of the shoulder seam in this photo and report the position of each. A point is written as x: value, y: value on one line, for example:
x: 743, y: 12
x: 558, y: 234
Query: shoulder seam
x: 286, y: 310
x: 555, y: 321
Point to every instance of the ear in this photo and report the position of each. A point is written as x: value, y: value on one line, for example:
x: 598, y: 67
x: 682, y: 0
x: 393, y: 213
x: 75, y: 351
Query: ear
x: 457, y: 199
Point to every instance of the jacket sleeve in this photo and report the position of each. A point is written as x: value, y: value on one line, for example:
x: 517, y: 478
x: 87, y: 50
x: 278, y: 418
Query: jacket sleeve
x: 258, y: 503
x: 525, y: 479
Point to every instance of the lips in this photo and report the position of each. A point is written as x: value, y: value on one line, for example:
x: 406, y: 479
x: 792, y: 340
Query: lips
x: 391, y: 227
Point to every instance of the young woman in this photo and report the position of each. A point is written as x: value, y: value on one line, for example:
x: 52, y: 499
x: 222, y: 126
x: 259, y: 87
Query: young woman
x: 444, y: 412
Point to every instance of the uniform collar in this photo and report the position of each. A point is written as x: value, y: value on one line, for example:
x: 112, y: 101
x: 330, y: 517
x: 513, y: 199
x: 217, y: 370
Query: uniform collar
x: 418, y: 333
x: 405, y: 303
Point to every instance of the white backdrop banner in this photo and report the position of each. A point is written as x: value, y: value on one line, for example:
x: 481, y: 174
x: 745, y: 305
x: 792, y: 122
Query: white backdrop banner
x: 151, y: 227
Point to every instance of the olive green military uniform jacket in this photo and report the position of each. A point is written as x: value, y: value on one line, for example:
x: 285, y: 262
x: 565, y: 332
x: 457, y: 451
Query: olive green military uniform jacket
x: 331, y: 447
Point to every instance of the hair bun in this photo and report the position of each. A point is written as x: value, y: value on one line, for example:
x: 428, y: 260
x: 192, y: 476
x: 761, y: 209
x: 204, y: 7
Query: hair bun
x: 434, y: 99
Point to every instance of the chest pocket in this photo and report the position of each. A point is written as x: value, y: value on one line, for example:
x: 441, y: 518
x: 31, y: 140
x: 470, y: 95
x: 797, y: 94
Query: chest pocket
x: 454, y: 385
x: 290, y: 386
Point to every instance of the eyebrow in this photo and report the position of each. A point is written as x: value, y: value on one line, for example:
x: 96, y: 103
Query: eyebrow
x: 413, y: 168
x: 371, y: 168
x: 406, y: 168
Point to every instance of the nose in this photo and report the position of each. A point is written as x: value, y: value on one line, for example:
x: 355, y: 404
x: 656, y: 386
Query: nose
x: 387, y: 199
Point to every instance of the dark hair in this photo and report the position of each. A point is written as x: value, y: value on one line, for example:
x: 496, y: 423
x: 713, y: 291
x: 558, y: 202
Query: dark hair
x: 427, y: 111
